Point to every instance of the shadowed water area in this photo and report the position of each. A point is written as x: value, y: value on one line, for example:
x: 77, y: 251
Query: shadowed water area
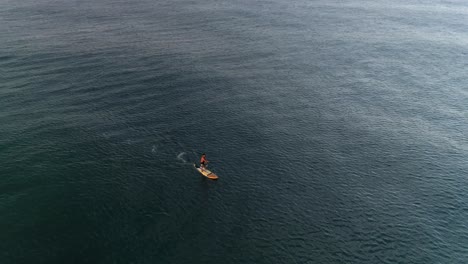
x: 338, y: 130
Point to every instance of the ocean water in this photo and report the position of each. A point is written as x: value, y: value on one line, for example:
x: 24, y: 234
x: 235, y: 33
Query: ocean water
x: 338, y: 130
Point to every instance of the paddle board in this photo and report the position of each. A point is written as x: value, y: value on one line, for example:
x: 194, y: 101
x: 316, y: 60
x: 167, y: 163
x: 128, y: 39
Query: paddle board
x: 206, y: 173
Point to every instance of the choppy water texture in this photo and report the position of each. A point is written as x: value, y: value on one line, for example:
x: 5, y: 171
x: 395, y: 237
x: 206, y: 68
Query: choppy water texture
x: 338, y: 130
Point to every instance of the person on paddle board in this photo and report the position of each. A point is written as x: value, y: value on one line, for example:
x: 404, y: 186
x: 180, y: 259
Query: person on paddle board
x: 203, y: 161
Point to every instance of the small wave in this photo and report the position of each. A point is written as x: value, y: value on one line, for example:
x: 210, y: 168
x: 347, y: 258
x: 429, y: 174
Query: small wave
x: 181, y: 157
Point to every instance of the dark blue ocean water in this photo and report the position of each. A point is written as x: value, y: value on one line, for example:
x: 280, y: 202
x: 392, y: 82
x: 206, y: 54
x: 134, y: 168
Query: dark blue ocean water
x: 338, y: 130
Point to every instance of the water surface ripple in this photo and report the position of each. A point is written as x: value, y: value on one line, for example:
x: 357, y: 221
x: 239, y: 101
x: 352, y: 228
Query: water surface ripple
x: 338, y: 130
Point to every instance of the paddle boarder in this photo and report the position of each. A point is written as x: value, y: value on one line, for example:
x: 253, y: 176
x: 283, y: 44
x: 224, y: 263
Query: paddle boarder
x: 203, y: 162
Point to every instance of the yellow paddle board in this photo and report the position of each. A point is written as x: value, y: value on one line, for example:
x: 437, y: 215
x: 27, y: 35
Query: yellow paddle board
x: 206, y: 173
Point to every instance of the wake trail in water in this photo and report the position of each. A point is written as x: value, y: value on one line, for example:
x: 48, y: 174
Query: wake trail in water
x: 181, y: 157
